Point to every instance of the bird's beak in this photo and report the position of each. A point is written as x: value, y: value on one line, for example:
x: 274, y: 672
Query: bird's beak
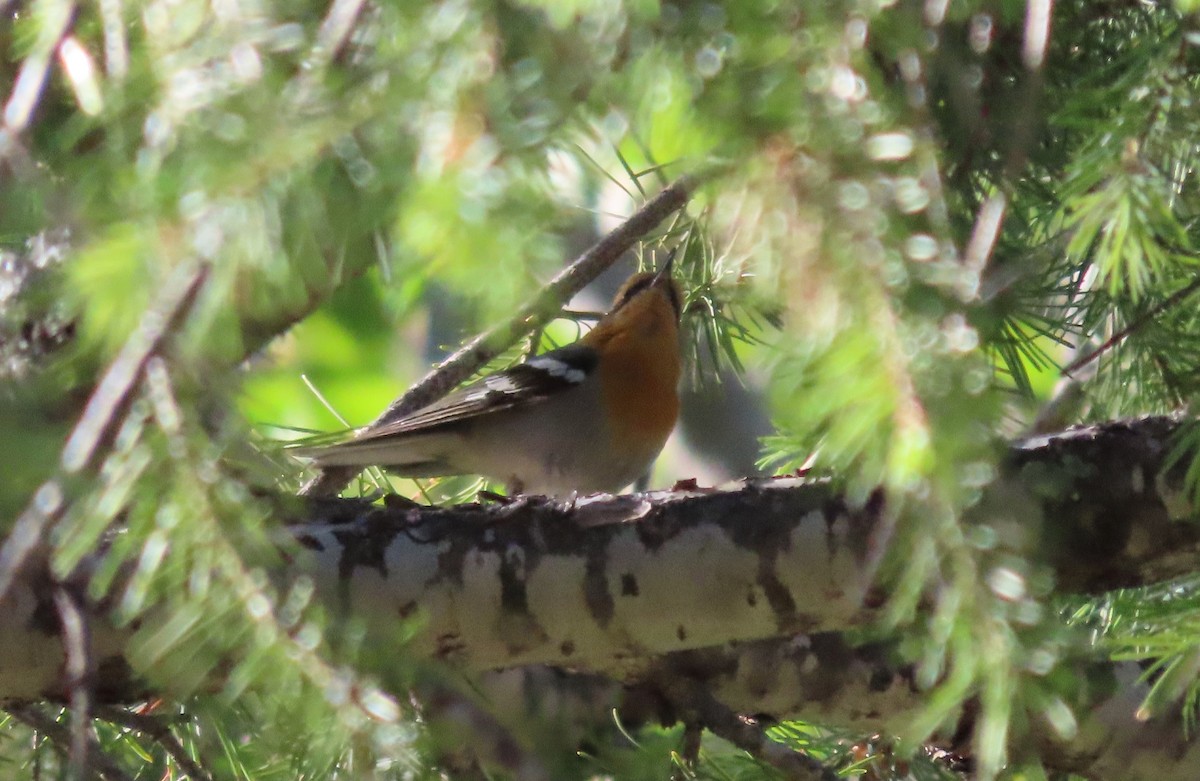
x: 665, y: 271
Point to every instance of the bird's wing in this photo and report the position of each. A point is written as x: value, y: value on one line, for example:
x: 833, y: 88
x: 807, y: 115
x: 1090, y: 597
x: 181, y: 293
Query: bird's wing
x: 538, y: 378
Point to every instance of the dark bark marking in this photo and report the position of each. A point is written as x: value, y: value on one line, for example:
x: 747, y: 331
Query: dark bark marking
x: 310, y: 542
x: 595, y: 587
x: 449, y: 645
x: 778, y: 596
x: 833, y: 656
x: 657, y: 527
x: 44, y: 618
x: 451, y: 561
x: 518, y: 627
x: 364, y: 544
x: 881, y: 679
x: 513, y: 596
x: 629, y: 585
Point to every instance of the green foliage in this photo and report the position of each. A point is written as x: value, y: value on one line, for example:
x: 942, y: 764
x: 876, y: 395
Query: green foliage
x: 366, y: 192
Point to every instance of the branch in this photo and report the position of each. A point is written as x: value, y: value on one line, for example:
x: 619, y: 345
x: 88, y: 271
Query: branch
x: 103, y: 413
x: 534, y: 314
x: 780, y: 568
x: 696, y: 705
x: 825, y: 679
x: 587, y: 584
x: 158, y: 730
x: 1175, y: 298
x: 60, y: 737
x: 76, y: 638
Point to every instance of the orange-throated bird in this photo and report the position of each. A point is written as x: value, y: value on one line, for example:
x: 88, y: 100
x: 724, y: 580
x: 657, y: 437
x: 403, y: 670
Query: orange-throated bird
x: 588, y: 417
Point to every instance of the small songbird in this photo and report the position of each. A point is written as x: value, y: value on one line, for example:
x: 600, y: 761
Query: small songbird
x: 588, y: 417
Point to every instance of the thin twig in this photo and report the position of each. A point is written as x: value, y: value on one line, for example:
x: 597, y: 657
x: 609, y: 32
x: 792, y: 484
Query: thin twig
x: 158, y: 730
x: 534, y: 314
x: 101, y: 416
x: 59, y: 737
x: 689, y: 752
x: 696, y: 705
x: 116, y: 43
x: 54, y: 22
x: 1037, y: 33
x: 125, y: 373
x: 535, y: 341
x: 580, y: 315
x: 988, y: 221
x: 1170, y: 301
x: 79, y: 669
x: 336, y: 28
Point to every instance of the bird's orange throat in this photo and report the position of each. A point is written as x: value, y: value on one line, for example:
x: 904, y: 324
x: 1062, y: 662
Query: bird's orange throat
x: 640, y: 387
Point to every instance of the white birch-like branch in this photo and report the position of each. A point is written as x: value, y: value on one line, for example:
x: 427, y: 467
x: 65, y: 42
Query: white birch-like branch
x: 750, y: 590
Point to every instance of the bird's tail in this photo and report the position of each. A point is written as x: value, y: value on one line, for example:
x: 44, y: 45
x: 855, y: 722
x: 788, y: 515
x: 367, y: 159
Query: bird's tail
x: 408, y: 456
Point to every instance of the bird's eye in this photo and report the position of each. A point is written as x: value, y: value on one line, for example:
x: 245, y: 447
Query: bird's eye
x: 645, y: 281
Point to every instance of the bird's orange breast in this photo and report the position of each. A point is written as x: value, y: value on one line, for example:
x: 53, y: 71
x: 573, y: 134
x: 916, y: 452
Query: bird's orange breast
x: 639, y: 381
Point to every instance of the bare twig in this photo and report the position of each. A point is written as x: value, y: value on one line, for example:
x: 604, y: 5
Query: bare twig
x: 158, y: 730
x: 534, y: 314
x: 689, y: 752
x: 79, y: 669
x: 337, y: 26
x: 535, y: 340
x: 1037, y: 33
x: 102, y: 415
x: 580, y: 316
x: 53, y: 23
x: 116, y: 43
x: 60, y: 737
x: 123, y: 376
x: 1175, y: 298
x: 696, y: 704
x: 988, y: 221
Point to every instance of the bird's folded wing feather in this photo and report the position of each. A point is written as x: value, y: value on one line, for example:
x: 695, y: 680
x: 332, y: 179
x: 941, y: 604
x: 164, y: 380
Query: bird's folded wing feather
x: 538, y: 378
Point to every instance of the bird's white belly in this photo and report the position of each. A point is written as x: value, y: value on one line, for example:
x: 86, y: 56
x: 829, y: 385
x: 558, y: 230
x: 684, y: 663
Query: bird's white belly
x: 545, y: 457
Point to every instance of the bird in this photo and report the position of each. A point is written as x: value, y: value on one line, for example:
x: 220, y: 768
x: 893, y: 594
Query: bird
x: 586, y: 418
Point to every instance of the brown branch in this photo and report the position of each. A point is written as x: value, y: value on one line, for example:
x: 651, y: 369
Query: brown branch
x: 79, y: 669
x: 336, y: 28
x: 534, y: 314
x: 102, y: 415
x: 989, y: 219
x: 695, y: 703
x: 560, y: 583
x: 60, y: 737
x: 158, y: 730
x: 1175, y: 298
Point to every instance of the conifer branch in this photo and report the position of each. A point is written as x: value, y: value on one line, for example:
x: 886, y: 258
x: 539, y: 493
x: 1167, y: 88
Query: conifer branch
x: 1175, y: 298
